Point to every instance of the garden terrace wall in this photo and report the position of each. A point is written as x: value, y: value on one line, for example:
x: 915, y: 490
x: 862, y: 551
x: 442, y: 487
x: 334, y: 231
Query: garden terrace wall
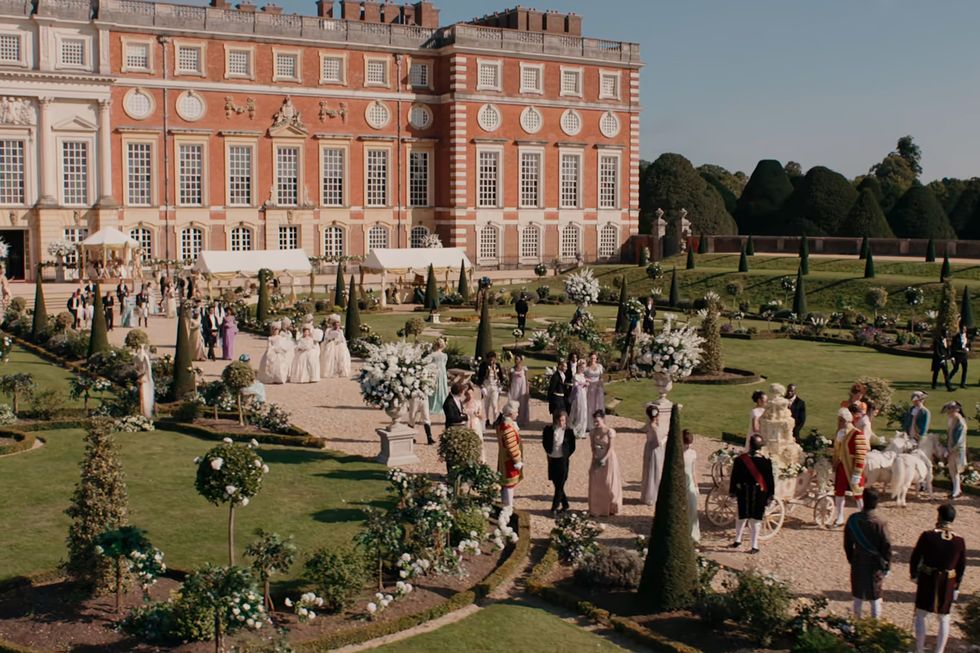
x: 506, y: 569
x: 641, y: 634
x: 790, y: 245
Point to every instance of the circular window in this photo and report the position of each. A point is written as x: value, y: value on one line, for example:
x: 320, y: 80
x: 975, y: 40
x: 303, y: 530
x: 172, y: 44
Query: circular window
x: 531, y: 120
x: 609, y: 124
x: 190, y: 106
x: 138, y: 104
x: 420, y: 116
x: 571, y: 122
x: 489, y: 118
x: 377, y: 115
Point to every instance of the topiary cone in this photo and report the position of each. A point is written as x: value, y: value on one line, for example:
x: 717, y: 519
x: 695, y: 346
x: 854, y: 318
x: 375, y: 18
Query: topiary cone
x: 622, y: 319
x: 183, y: 382
x: 703, y: 244
x: 869, y: 265
x: 931, y: 251
x: 743, y: 262
x: 462, y: 287
x: 945, y: 272
x: 865, y: 247
x: 966, y: 309
x: 805, y: 255
x: 262, y: 308
x: 99, y: 339
x: 338, y: 287
x: 750, y: 247
x: 40, y: 321
x: 484, y: 336
x: 670, y: 573
x: 352, y: 319
x: 799, y: 299
x: 674, y: 296
x: 431, y: 291
x: 690, y: 259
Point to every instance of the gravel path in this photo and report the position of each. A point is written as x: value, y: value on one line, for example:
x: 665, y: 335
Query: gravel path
x: 810, y: 559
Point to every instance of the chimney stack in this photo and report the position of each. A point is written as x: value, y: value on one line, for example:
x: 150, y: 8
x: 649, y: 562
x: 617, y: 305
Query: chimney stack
x: 426, y: 14
x: 272, y: 9
x: 372, y: 11
x: 324, y: 8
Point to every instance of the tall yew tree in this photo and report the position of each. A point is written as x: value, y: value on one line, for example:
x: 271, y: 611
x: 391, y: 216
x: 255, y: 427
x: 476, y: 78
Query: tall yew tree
x: 99, y: 338
x: 761, y: 205
x: 40, y: 322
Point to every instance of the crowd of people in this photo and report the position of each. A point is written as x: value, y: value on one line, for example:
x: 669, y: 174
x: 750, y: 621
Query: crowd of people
x: 303, y: 352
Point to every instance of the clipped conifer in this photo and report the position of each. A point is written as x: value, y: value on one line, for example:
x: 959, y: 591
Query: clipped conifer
x: 931, y: 251
x: 670, y: 573
x: 743, y: 261
x: 799, y: 299
x: 622, y: 319
x: 431, y: 291
x: 263, y: 306
x: 869, y: 265
x: 948, y: 318
x: 703, y: 244
x: 690, y: 258
x: 484, y: 335
x: 462, y: 287
x: 865, y: 248
x: 966, y: 309
x: 711, y: 355
x: 99, y: 338
x: 40, y: 322
x: 183, y: 383
x: 352, y: 319
x: 805, y: 255
x: 750, y: 247
x: 674, y: 297
x: 338, y: 287
x: 945, y: 272
x: 100, y: 503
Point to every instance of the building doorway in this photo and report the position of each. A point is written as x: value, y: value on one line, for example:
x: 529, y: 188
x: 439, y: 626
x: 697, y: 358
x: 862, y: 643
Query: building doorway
x: 16, y: 240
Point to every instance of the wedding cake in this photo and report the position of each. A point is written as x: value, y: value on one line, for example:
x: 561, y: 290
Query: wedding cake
x: 776, y: 425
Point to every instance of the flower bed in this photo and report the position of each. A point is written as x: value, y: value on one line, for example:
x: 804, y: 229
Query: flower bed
x: 730, y: 376
x: 228, y: 427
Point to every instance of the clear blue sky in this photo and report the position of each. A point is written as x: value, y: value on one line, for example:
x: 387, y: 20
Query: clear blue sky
x: 821, y: 82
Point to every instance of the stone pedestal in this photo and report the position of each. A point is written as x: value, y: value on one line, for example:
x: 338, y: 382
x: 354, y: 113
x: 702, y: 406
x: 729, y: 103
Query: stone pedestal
x: 434, y: 318
x: 397, y: 445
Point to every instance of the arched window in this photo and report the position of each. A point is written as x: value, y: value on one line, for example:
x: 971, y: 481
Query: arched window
x: 531, y: 242
x: 418, y: 236
x: 570, y: 242
x: 191, y: 243
x: 608, y: 241
x: 144, y: 237
x: 377, y: 237
x: 241, y: 239
x: 333, y: 241
x: 488, y: 244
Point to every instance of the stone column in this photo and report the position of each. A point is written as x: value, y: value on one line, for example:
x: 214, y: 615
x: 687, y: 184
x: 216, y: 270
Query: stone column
x: 47, y: 159
x: 105, y: 154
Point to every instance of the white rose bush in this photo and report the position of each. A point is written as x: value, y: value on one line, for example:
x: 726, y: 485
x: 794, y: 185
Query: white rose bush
x: 394, y: 372
x: 674, y: 352
x: 582, y: 287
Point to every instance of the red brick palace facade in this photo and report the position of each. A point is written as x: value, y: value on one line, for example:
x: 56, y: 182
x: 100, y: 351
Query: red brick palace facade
x: 367, y: 125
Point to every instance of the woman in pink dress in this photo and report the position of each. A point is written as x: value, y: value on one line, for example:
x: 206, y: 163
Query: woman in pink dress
x: 519, y: 391
x: 605, y: 482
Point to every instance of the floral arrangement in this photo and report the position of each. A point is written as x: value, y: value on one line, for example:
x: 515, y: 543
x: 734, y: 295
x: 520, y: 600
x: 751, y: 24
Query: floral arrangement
x: 675, y: 352
x: 540, y: 269
x: 60, y: 248
x: 791, y: 471
x: 146, y: 565
x: 655, y: 271
x: 7, y: 415
x: 6, y: 346
x: 724, y: 455
x: 4, y: 249
x: 913, y: 295
x: 517, y: 333
x: 432, y: 241
x: 540, y: 339
x: 971, y: 476
x: 815, y: 442
x: 395, y: 372
x: 634, y: 309
x: 304, y: 606
x: 504, y: 533
x: 574, y: 536
x: 132, y: 424
x: 230, y: 473
x: 788, y: 284
x: 582, y: 287
x: 409, y: 567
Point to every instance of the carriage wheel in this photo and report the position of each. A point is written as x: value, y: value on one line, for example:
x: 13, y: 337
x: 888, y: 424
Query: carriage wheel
x: 773, y: 519
x: 823, y: 511
x: 720, y: 509
x: 719, y: 472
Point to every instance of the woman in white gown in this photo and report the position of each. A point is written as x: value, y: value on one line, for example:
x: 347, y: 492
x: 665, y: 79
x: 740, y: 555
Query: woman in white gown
x: 690, y: 474
x: 198, y: 352
x: 760, y: 400
x: 170, y: 302
x: 278, y: 357
x: 653, y: 458
x: 520, y: 392
x: 579, y: 414
x: 475, y: 415
x: 306, y: 361
x: 334, y: 355
x: 596, y: 390
x: 89, y: 311
x: 144, y: 370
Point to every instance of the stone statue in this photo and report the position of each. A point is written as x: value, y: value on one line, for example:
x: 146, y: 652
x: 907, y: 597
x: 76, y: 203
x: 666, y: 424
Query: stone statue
x: 15, y: 111
x: 144, y: 371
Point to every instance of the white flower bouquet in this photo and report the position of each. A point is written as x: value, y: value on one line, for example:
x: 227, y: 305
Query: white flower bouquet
x: 60, y: 248
x: 394, y: 372
x: 132, y: 424
x: 634, y: 308
x: 675, y: 352
x: 582, y: 287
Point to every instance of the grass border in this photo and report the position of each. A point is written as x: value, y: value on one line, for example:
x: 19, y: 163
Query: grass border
x: 359, y: 635
x: 627, y: 627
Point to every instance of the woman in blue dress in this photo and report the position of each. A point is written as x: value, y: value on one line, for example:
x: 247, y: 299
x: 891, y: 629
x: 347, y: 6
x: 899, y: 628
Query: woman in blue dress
x: 441, y: 390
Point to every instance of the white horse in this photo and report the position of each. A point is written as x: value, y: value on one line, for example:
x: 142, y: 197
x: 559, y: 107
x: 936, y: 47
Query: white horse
x: 879, y: 464
x: 915, y: 468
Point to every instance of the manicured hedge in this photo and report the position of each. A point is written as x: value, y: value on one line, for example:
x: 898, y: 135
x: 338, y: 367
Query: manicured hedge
x: 22, y: 442
x: 300, y: 440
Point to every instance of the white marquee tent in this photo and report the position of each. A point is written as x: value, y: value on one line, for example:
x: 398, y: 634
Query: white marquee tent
x: 228, y: 265
x: 415, y: 260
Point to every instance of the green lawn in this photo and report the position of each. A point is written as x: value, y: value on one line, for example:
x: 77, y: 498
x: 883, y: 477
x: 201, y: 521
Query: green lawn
x: 316, y: 496
x: 505, y: 628
x: 45, y: 375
